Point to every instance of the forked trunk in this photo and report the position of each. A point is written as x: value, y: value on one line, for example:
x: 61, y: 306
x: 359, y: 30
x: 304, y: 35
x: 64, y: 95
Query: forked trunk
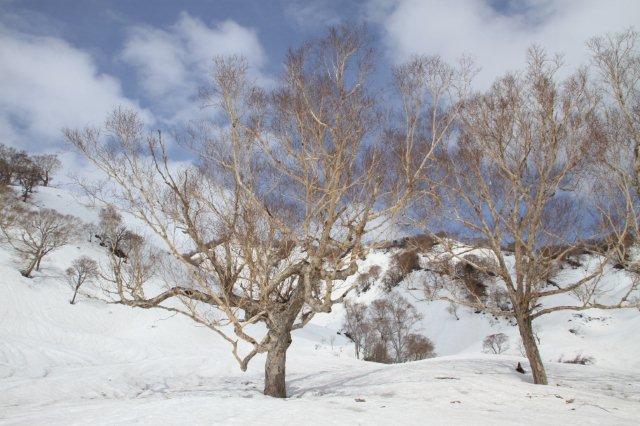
x: 531, y: 350
x: 274, y: 368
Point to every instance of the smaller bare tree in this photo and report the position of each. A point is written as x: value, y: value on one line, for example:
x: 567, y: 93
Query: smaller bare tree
x: 26, y: 174
x: 48, y: 165
x: 126, y: 275
x: 35, y: 234
x: 83, y: 269
x: 495, y: 343
x: 6, y: 164
x: 396, y: 320
x: 110, y: 228
x: 357, y: 327
x: 513, y: 179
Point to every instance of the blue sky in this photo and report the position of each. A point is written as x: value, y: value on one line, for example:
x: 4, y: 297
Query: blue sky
x: 67, y: 63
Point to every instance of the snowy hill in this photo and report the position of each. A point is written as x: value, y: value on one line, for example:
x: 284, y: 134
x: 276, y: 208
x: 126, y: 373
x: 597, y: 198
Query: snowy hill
x: 100, y: 363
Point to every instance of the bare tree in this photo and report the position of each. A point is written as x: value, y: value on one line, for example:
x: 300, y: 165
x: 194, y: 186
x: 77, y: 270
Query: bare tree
x: 514, y: 179
x: 26, y: 173
x: 495, y: 343
x: 396, y: 320
x: 385, y: 331
x: 616, y: 58
x: 358, y: 328
x: 128, y: 272
x: 83, y: 269
x: 418, y: 347
x: 270, y: 222
x: 35, y: 234
x: 7, y: 155
x: 48, y: 165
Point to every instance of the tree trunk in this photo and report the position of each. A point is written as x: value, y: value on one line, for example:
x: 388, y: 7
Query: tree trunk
x: 75, y: 293
x: 27, y: 272
x: 531, y: 349
x: 274, y: 368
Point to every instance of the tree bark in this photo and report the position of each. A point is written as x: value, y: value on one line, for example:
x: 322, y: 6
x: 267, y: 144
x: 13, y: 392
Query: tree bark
x: 531, y: 349
x: 75, y: 293
x: 274, y: 368
x: 27, y: 272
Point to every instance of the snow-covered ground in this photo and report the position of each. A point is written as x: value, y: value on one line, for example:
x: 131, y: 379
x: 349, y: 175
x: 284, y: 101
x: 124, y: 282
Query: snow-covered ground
x: 96, y: 363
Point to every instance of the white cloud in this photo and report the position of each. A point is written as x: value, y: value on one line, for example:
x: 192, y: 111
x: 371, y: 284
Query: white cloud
x: 311, y: 15
x: 171, y: 64
x: 498, y: 40
x: 48, y: 84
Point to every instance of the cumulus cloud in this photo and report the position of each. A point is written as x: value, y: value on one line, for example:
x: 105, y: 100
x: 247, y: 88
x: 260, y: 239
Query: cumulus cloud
x: 48, y: 84
x: 172, y: 63
x: 498, y: 38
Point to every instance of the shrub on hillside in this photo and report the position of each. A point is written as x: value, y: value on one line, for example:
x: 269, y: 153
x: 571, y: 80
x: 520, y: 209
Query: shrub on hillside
x: 401, y: 265
x: 578, y: 359
x: 421, y: 242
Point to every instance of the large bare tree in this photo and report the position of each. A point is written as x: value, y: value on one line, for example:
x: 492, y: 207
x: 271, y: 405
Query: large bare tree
x: 517, y: 179
x: 271, y: 219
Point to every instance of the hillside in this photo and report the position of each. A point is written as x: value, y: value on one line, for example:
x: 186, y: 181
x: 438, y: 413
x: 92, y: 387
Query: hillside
x: 101, y: 363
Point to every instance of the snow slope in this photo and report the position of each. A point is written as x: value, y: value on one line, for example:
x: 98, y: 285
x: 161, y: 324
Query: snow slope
x: 95, y: 363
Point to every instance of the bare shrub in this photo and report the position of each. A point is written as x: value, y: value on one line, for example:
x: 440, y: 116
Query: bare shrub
x: 35, y: 234
x: 82, y: 270
x: 392, y: 278
x: 578, y: 359
x: 418, y: 347
x: 406, y: 261
x: 402, y: 263
x: 495, y: 343
x: 375, y: 271
x: 379, y: 353
x: 364, y: 282
x: 472, y: 279
x: 421, y: 243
